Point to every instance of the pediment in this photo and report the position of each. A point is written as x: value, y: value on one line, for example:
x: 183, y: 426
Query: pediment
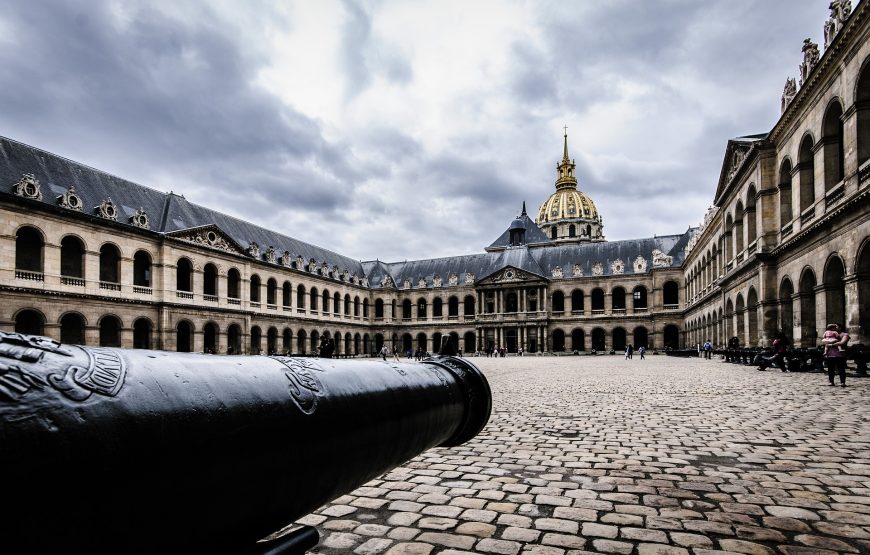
x: 211, y: 237
x: 509, y: 274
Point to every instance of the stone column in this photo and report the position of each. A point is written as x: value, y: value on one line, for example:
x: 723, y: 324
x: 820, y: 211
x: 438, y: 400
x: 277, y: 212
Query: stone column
x: 821, y: 310
x: 853, y: 309
x: 796, y: 319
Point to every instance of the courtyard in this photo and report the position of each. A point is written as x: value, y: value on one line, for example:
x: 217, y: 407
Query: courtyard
x: 601, y: 454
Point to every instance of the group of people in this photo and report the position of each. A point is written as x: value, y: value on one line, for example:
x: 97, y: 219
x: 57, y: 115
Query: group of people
x: 497, y: 351
x: 629, y: 351
x: 326, y: 348
x: 834, y: 343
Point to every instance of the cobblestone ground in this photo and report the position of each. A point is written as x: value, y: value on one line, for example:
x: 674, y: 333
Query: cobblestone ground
x: 600, y: 454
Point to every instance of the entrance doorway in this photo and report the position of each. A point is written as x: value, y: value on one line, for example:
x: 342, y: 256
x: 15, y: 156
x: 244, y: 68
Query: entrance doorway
x: 510, y: 336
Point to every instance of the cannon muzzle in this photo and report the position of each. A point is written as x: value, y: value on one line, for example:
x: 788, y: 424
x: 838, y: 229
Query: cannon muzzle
x: 113, y: 450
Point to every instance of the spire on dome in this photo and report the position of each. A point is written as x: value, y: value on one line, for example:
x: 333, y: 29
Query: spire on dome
x: 565, y: 177
x: 523, y: 213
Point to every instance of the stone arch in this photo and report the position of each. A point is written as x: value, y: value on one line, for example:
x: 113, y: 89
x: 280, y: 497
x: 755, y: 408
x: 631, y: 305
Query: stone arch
x: 313, y: 297
x: 597, y: 301
x: 806, y: 172
x: 110, y: 330
x: 739, y: 313
x: 558, y: 302
x: 639, y: 298
x: 183, y: 274
x: 599, y: 339
x: 110, y: 263
x: 729, y: 237
x: 300, y: 296
x: 72, y: 328
x: 671, y: 294
x: 210, y: 280
x: 301, y: 341
x: 326, y: 296
x: 785, y: 209
x: 835, y: 291
x: 184, y: 336
x: 671, y: 335
x: 470, y: 342
x: 287, y: 340
x: 210, y: 333
x: 234, y: 339
x: 786, y: 308
x: 862, y: 271
x: 862, y: 105
x: 141, y: 269
x: 272, y: 340
x: 29, y: 321
x: 29, y: 251
x: 72, y: 257
x: 422, y: 308
x: 286, y: 295
x: 437, y: 308
x: 578, y: 339
x: 254, y: 294
x: 619, y: 338
x: 641, y: 337
x: 617, y: 298
x: 406, y: 309
x: 807, y: 291
x: 234, y: 284
x: 752, y: 320
x: 468, y: 309
x: 751, y: 222
x: 142, y: 329
x: 577, y: 301
x: 272, y: 291
x: 558, y: 340
x: 347, y: 303
x: 832, y: 141
x: 379, y: 310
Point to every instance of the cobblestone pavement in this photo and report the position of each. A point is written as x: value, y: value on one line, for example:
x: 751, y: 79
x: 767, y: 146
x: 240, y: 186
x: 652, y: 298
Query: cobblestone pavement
x: 600, y: 454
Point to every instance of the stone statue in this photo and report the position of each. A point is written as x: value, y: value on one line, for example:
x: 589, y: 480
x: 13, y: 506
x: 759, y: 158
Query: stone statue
x: 788, y: 93
x: 840, y: 11
x: 811, y: 58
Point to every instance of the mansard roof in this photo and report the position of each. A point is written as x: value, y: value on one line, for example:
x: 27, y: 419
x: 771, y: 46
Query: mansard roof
x: 167, y: 212
x: 533, y: 234
x: 589, y: 255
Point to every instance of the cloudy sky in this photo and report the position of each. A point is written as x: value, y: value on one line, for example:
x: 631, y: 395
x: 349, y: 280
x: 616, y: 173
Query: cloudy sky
x: 406, y: 129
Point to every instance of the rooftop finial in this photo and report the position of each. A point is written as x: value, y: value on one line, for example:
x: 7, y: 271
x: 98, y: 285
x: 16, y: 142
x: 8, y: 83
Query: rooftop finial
x: 524, y: 209
x: 565, y: 155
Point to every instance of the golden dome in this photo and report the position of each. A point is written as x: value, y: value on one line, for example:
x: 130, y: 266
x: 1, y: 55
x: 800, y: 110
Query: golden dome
x: 567, y: 204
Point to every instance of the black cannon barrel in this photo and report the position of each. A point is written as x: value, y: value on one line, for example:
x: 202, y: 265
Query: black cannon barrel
x: 113, y: 450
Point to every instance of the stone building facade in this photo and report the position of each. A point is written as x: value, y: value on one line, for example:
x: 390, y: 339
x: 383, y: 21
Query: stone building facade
x: 87, y: 257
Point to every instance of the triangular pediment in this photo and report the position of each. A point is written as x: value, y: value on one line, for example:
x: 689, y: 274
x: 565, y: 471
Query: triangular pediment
x: 211, y: 237
x: 509, y: 274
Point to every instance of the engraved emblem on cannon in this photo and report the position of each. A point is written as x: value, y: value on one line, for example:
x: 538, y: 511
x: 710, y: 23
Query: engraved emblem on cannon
x: 305, y: 387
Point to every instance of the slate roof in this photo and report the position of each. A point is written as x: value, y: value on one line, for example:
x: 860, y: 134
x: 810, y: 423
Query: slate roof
x: 167, y: 212
x: 533, y: 234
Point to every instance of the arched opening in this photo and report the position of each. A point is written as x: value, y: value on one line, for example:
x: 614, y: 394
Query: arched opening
x: 752, y: 308
x: 336, y: 303
x: 738, y: 228
x: 365, y: 304
x: 254, y: 294
x: 510, y: 302
x: 599, y: 340
x: 379, y: 342
x: 356, y: 306
x: 272, y: 341
x: 638, y: 298
x: 598, y: 301
x: 729, y: 319
x: 142, y: 333
x: 806, y: 173
x: 421, y: 309
x: 421, y: 342
x: 110, y: 331
x: 28, y: 250
x: 234, y: 339
x: 751, y: 224
x: 671, y: 337
x: 729, y: 238
x: 184, y: 337
x: 437, y: 308
x: 301, y: 343
x: 406, y: 309
x: 286, y: 341
x: 558, y: 303
x: 300, y: 297
x: 469, y: 341
x: 740, y: 311
x: 862, y: 269
x: 558, y: 341
x: 183, y: 275
x: 210, y: 280
x: 641, y: 337
x: 453, y: 307
x: 671, y: 294
x: 72, y: 258
x: 210, y: 338
x: 313, y: 296
x: 572, y: 231
x: 577, y: 301
x: 326, y: 297
x: 142, y: 269
x: 619, y: 339
x: 835, y: 292
x: 806, y: 288
x: 286, y: 294
x: 832, y: 140
x: 72, y: 329
x: 553, y: 233
x: 29, y: 322
x: 256, y: 338
x: 407, y: 343
x: 785, y: 212
x: 862, y: 105
x: 352, y: 343
x: 272, y: 292
x: 469, y: 306
x: 347, y: 305
x: 786, y: 309
x: 315, y: 342
x: 379, y: 309
x: 110, y: 264
x: 618, y: 298
x: 578, y: 340
x: 234, y: 280
x: 436, y: 342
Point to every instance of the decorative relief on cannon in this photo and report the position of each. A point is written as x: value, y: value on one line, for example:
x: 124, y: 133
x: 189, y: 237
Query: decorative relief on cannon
x: 305, y: 386
x: 28, y: 187
x: 140, y: 219
x: 639, y: 265
x: 107, y: 210
x: 70, y: 200
x: 73, y: 372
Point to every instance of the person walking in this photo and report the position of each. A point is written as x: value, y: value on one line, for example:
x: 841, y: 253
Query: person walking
x: 641, y: 350
x: 383, y: 352
x: 834, y: 342
x: 708, y: 350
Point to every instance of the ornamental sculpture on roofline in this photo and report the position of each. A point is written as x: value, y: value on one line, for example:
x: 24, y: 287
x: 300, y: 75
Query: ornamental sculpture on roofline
x: 28, y: 187
x: 788, y: 93
x: 840, y: 11
x: 811, y: 58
